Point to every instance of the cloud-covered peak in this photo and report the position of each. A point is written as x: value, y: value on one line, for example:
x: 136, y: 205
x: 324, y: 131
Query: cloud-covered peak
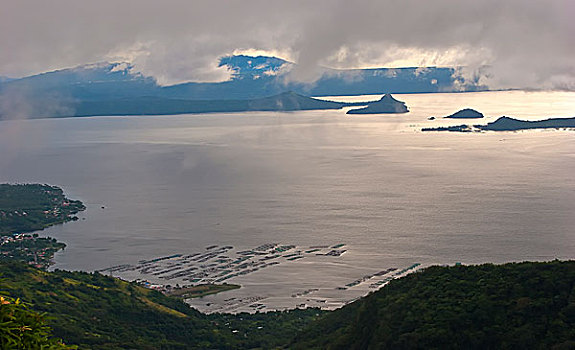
x: 527, y: 44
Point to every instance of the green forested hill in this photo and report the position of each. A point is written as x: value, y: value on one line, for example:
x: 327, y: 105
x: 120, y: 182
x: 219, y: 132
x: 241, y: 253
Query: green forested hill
x: 100, y: 312
x: 512, y: 306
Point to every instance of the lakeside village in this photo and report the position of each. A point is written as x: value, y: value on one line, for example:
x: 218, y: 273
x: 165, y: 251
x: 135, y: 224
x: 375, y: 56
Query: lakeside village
x: 31, y: 249
x: 28, y: 208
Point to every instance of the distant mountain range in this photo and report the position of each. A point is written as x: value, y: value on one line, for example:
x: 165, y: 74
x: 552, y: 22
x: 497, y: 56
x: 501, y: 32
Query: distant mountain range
x: 61, y: 92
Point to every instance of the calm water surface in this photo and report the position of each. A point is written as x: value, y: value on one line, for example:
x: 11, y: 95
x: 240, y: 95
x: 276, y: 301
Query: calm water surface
x: 394, y: 195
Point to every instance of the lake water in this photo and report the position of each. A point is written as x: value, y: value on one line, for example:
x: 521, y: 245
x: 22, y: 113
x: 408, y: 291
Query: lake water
x: 394, y: 195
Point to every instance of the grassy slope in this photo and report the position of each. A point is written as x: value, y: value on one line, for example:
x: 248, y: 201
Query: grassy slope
x: 99, y: 312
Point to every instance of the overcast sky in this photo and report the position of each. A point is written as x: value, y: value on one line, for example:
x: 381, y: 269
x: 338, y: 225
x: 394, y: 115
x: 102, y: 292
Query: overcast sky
x: 528, y: 43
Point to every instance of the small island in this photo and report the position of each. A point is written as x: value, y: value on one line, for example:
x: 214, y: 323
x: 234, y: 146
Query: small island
x: 511, y: 124
x: 466, y: 113
x: 387, y: 104
x: 28, y: 208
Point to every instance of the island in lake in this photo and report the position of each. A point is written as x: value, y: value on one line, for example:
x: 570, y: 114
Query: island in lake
x: 510, y: 124
x: 387, y: 104
x: 284, y: 102
x: 466, y: 113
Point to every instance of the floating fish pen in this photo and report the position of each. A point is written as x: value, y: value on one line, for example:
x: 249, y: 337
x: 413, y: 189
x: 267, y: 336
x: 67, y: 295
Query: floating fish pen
x: 312, y: 250
x: 295, y: 258
x: 334, y: 252
x: 381, y: 273
x: 284, y: 248
x: 266, y: 246
x: 218, y: 264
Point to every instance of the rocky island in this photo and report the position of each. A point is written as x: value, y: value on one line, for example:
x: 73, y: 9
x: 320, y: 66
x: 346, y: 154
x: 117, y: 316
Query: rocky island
x: 466, y: 113
x: 387, y: 104
x: 511, y: 124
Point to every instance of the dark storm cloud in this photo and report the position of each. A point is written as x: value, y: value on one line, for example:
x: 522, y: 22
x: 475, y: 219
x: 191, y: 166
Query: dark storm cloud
x: 527, y: 43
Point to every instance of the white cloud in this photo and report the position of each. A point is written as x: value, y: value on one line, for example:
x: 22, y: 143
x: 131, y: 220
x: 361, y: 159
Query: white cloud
x: 527, y: 43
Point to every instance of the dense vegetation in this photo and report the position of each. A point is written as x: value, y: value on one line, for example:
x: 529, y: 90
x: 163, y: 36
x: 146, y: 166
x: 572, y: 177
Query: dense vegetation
x: 512, y: 306
x: 100, y: 312
x: 21, y: 328
x: 32, y: 207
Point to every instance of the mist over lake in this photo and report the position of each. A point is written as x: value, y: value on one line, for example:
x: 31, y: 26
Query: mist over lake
x: 156, y: 186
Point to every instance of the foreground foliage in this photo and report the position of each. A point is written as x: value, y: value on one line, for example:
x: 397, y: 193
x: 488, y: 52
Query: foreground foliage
x: 21, y: 328
x: 511, y: 306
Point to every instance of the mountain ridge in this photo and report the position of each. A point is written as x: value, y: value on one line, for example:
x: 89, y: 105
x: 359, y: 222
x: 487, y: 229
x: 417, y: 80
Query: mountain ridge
x: 265, y: 71
x: 59, y: 93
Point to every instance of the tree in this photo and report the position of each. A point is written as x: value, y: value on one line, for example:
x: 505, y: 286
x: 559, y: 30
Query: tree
x: 21, y: 328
